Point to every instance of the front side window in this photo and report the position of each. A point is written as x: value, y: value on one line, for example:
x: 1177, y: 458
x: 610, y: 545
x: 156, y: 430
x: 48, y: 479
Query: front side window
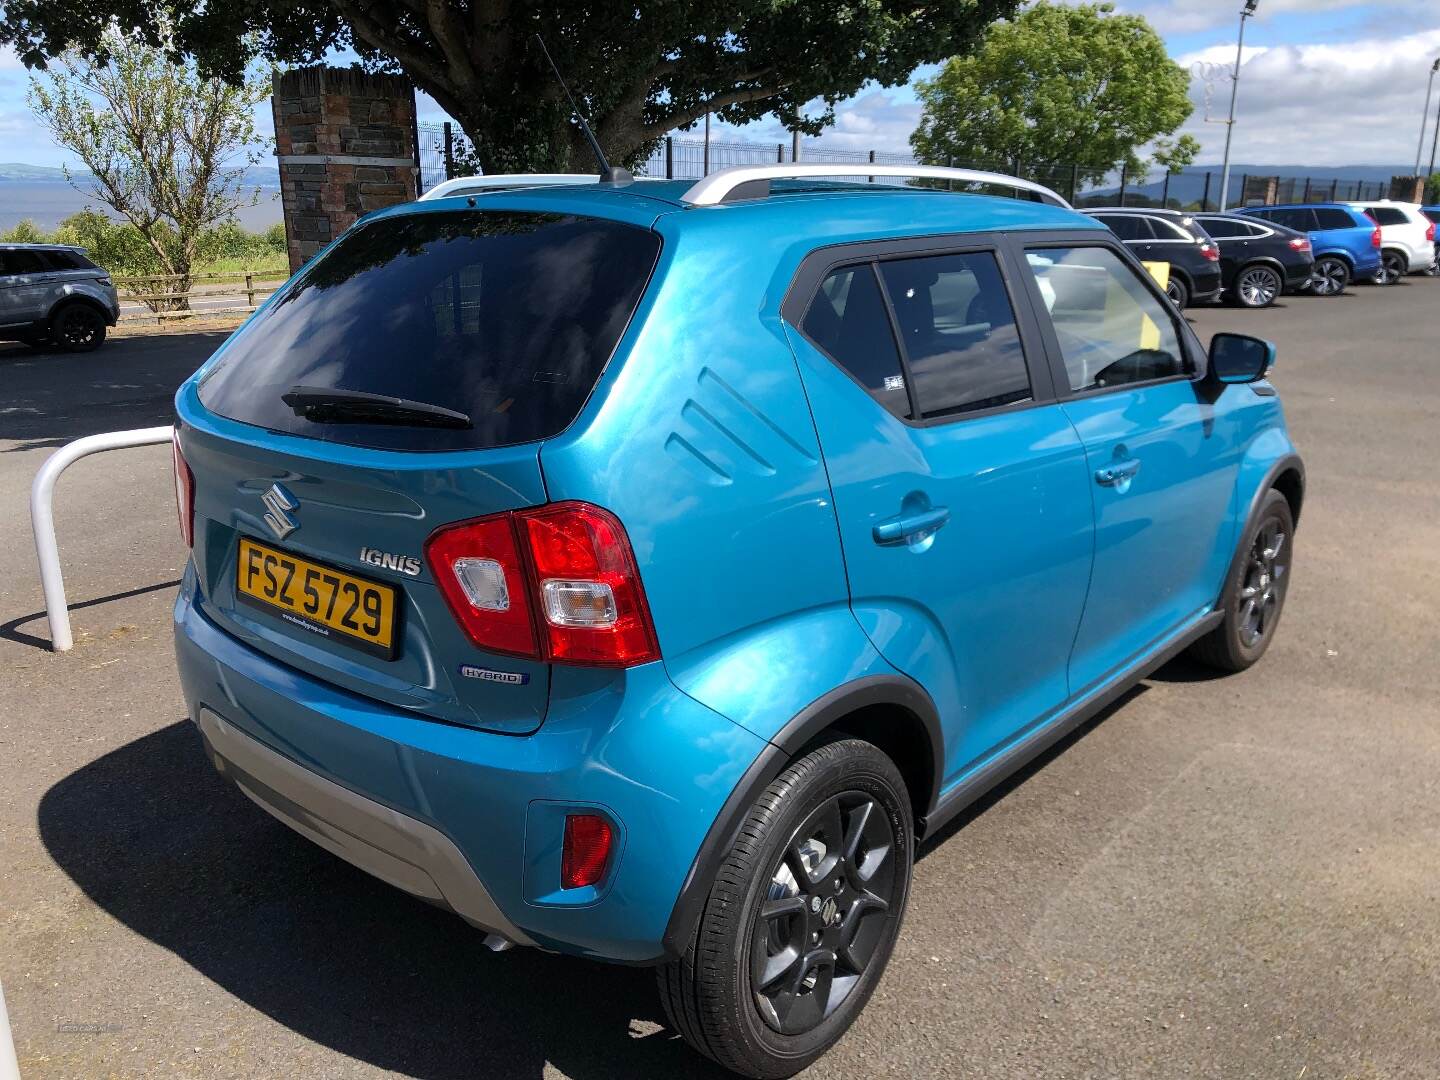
x: 1224, y: 228
x: 847, y: 320
x: 506, y: 318
x: 1127, y: 226
x: 958, y: 328
x: 1112, y: 330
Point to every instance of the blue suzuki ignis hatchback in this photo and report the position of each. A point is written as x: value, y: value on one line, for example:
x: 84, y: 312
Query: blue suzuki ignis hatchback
x: 642, y: 570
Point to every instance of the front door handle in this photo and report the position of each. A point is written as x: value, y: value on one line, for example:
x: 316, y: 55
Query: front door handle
x: 908, y: 528
x: 1118, y: 473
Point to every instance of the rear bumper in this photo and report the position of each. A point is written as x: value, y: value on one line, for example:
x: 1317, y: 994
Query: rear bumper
x: 1421, y: 261
x: 392, y: 846
x: 469, y: 819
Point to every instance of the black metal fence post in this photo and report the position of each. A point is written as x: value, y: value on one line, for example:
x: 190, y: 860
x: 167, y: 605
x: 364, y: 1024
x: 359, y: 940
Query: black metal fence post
x: 871, y: 179
x: 669, y: 157
x: 949, y: 164
x: 1205, y: 198
x: 449, y: 152
x: 1124, y: 176
x: 1165, y: 191
x: 779, y: 153
x: 1074, y: 181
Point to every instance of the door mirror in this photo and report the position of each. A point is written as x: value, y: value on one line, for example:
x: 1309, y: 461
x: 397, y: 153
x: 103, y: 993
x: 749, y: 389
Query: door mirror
x: 1240, y: 358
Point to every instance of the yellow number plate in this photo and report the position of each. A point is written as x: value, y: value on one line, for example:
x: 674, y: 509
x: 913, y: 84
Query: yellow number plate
x: 321, y: 599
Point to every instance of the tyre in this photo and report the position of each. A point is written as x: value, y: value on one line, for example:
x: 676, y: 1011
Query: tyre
x: 1178, y: 292
x: 1255, y: 591
x: 77, y: 328
x: 1257, y: 286
x: 802, y: 917
x: 1394, y: 265
x: 1330, y: 276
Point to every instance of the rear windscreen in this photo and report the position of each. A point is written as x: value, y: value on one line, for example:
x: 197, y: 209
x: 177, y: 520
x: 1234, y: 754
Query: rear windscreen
x: 506, y: 316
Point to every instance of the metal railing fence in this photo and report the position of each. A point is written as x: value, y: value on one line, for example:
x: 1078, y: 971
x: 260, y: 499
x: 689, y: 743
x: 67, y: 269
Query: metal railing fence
x: 686, y: 158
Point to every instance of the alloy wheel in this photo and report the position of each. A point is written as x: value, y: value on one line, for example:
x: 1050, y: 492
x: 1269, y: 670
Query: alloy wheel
x: 1258, y: 286
x: 822, y: 919
x: 1328, y: 278
x: 1392, y: 269
x: 79, y: 327
x: 1258, y: 600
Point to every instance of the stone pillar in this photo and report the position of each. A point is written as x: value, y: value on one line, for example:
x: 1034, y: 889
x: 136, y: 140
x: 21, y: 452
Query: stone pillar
x: 345, y: 141
x: 1407, y: 188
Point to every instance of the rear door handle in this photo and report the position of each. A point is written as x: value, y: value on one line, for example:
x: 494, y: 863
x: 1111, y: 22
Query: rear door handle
x: 1118, y: 472
x: 907, y: 528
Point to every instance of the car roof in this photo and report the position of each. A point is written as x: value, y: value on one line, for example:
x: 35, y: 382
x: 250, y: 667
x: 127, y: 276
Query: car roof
x: 8, y: 246
x: 827, y: 209
x: 1302, y: 206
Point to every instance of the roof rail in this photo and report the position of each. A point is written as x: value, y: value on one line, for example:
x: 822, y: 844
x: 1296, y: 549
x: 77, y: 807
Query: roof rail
x: 505, y: 181
x: 730, y: 185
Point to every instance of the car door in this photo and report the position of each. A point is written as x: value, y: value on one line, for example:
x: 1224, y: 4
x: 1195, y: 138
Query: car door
x: 1160, y: 473
x: 960, y: 487
x: 24, y: 286
x: 1233, y: 239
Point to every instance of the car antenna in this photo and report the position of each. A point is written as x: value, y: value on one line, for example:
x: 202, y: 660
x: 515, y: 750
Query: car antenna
x: 608, y: 174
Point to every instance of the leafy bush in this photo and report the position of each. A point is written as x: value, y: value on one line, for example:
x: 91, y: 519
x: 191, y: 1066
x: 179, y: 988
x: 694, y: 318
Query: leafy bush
x: 26, y: 232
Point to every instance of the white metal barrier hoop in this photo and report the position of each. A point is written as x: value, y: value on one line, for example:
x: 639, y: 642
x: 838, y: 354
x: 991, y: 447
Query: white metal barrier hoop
x: 9, y: 1064
x: 42, y: 518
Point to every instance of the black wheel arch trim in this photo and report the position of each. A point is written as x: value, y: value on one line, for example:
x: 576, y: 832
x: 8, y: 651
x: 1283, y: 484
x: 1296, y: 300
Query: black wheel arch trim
x: 813, y: 720
x: 79, y: 298
x: 1289, y: 463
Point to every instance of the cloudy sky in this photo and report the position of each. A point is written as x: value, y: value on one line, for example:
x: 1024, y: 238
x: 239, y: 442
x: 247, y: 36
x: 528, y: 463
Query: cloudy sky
x: 1324, y: 82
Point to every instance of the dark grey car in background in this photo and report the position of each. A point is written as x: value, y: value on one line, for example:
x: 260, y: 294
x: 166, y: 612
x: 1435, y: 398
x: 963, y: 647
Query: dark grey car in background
x: 1168, y: 236
x: 53, y: 295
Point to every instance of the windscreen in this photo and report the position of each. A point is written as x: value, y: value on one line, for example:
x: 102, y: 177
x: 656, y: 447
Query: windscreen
x: 507, y: 317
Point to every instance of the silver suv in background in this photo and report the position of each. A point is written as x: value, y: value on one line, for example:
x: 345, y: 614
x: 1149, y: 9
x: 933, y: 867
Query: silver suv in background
x: 52, y: 294
x: 1407, y: 238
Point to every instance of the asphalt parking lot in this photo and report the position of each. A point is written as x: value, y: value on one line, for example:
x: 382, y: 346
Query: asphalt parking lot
x: 1232, y: 877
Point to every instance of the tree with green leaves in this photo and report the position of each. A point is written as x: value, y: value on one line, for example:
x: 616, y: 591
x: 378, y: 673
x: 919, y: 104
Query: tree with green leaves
x: 165, y: 146
x: 638, y: 69
x: 1058, y: 86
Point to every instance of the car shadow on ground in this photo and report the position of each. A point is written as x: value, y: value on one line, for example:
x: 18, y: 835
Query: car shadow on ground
x: 53, y: 397
x: 162, y: 844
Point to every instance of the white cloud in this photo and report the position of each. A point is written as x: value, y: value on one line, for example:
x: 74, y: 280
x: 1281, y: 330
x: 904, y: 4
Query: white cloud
x: 1321, y: 104
x: 1188, y: 16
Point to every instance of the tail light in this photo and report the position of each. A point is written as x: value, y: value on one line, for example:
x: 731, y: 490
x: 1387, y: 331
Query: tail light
x: 1210, y: 251
x: 184, y: 493
x: 1375, y: 238
x: 1430, y: 233
x: 557, y: 583
x: 1300, y: 243
x: 586, y: 850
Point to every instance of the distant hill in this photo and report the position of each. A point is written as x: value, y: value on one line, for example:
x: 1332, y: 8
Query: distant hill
x: 264, y: 176
x: 1188, y: 186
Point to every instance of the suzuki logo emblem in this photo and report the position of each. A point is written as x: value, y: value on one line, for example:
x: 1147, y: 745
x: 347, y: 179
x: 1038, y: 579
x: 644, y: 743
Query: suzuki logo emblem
x: 278, y: 504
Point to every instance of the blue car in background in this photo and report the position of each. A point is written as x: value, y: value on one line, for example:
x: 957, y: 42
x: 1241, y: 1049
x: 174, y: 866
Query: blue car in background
x: 1433, y: 213
x: 1346, y: 242
x: 641, y: 570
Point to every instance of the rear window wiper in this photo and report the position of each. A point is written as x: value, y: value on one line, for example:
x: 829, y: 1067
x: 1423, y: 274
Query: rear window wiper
x: 323, y: 405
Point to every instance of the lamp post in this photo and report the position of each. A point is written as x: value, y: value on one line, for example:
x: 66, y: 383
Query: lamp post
x: 1250, y: 6
x: 1425, y: 114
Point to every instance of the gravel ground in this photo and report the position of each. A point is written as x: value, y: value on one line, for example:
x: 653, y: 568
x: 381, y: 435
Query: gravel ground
x: 1220, y: 877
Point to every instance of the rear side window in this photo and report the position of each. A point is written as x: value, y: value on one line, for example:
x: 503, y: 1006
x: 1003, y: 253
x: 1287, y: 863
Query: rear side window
x: 61, y: 259
x: 847, y: 319
x: 959, y: 332
x: 508, y: 317
x: 1387, y: 215
x: 1332, y: 217
x: 1433, y: 215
